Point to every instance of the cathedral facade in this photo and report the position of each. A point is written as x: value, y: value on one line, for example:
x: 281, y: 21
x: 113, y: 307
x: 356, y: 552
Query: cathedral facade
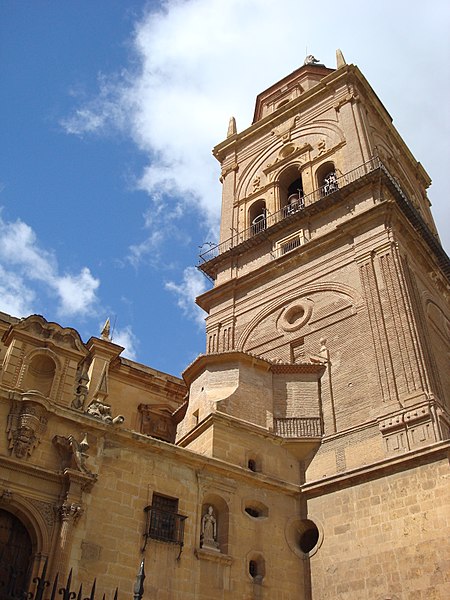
x: 305, y: 454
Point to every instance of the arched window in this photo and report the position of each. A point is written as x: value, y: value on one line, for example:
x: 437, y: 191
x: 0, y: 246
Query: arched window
x: 327, y: 181
x: 15, y: 554
x: 40, y: 374
x: 257, y: 216
x: 291, y: 190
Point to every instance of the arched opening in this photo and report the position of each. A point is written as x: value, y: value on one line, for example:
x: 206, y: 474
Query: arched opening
x: 327, y: 181
x: 256, y: 567
x: 214, y: 529
x: 291, y: 190
x: 40, y: 374
x: 254, y: 462
x: 257, y: 216
x: 15, y: 556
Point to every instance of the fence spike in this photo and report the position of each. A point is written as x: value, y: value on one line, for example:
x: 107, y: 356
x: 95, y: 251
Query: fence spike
x: 91, y: 597
x: 67, y: 594
x: 80, y: 592
x: 55, y: 587
x: 139, y: 585
x: 41, y: 582
x: 116, y: 593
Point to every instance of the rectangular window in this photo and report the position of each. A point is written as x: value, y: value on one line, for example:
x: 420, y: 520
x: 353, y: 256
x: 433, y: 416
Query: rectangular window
x: 290, y: 243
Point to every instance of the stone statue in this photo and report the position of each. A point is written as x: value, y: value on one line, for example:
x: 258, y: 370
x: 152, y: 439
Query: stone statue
x: 209, y: 530
x: 73, y: 453
x: 102, y: 411
x: 310, y: 60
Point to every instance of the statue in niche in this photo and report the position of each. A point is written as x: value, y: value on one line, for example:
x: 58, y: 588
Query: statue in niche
x: 209, y: 530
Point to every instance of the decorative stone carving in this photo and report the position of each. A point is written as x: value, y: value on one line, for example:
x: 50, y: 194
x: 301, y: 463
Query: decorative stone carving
x: 46, y: 509
x: 82, y: 389
x: 227, y: 170
x: 157, y: 422
x: 256, y: 183
x: 283, y: 131
x: 37, y: 326
x: 27, y: 422
x: 209, y: 531
x: 70, y: 512
x: 73, y: 454
x: 102, y: 411
x: 321, y: 147
x: 6, y: 496
x: 409, y: 429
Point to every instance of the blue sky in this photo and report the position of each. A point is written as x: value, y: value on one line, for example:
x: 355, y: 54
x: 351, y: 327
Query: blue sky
x: 109, y: 110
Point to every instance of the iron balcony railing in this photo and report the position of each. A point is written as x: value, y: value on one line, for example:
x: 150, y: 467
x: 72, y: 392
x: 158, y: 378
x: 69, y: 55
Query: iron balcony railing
x: 268, y: 220
x: 298, y: 427
x: 164, y: 525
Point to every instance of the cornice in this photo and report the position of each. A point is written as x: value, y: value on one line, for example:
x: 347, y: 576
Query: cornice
x: 202, y: 361
x: 376, y: 470
x: 280, y: 115
x: 30, y: 469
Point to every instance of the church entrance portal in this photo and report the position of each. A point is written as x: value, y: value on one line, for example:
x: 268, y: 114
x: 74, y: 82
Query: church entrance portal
x: 15, y: 556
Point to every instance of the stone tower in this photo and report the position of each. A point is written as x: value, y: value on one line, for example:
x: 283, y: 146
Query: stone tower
x: 328, y: 324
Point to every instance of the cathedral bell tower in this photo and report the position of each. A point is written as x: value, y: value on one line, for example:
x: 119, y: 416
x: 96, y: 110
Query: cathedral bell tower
x: 329, y: 260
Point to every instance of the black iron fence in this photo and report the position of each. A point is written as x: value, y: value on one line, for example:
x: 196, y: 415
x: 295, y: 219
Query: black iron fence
x: 42, y: 588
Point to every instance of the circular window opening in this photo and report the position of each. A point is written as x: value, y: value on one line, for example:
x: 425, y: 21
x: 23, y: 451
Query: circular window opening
x: 309, y: 538
x: 295, y: 313
x: 253, y: 512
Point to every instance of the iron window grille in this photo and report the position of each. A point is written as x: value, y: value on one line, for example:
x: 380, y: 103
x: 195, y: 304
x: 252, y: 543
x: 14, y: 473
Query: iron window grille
x: 163, y: 521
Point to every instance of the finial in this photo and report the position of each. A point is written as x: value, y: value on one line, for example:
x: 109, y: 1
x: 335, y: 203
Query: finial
x: 310, y: 60
x: 340, y: 60
x: 106, y: 331
x: 231, y: 127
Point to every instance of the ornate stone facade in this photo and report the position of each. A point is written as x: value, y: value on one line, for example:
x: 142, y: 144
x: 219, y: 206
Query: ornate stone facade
x: 305, y: 454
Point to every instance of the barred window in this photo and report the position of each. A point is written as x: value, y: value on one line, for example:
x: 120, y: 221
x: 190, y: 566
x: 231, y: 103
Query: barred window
x: 163, y: 521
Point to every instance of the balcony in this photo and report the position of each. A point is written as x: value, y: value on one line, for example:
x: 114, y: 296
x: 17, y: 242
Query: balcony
x: 298, y: 427
x: 315, y: 202
x: 288, y: 212
x: 164, y: 526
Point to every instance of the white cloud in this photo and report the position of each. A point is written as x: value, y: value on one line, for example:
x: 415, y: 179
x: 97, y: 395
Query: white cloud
x: 198, y: 61
x: 76, y: 292
x: 24, y: 263
x: 193, y: 285
x: 15, y: 297
x: 126, y: 338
